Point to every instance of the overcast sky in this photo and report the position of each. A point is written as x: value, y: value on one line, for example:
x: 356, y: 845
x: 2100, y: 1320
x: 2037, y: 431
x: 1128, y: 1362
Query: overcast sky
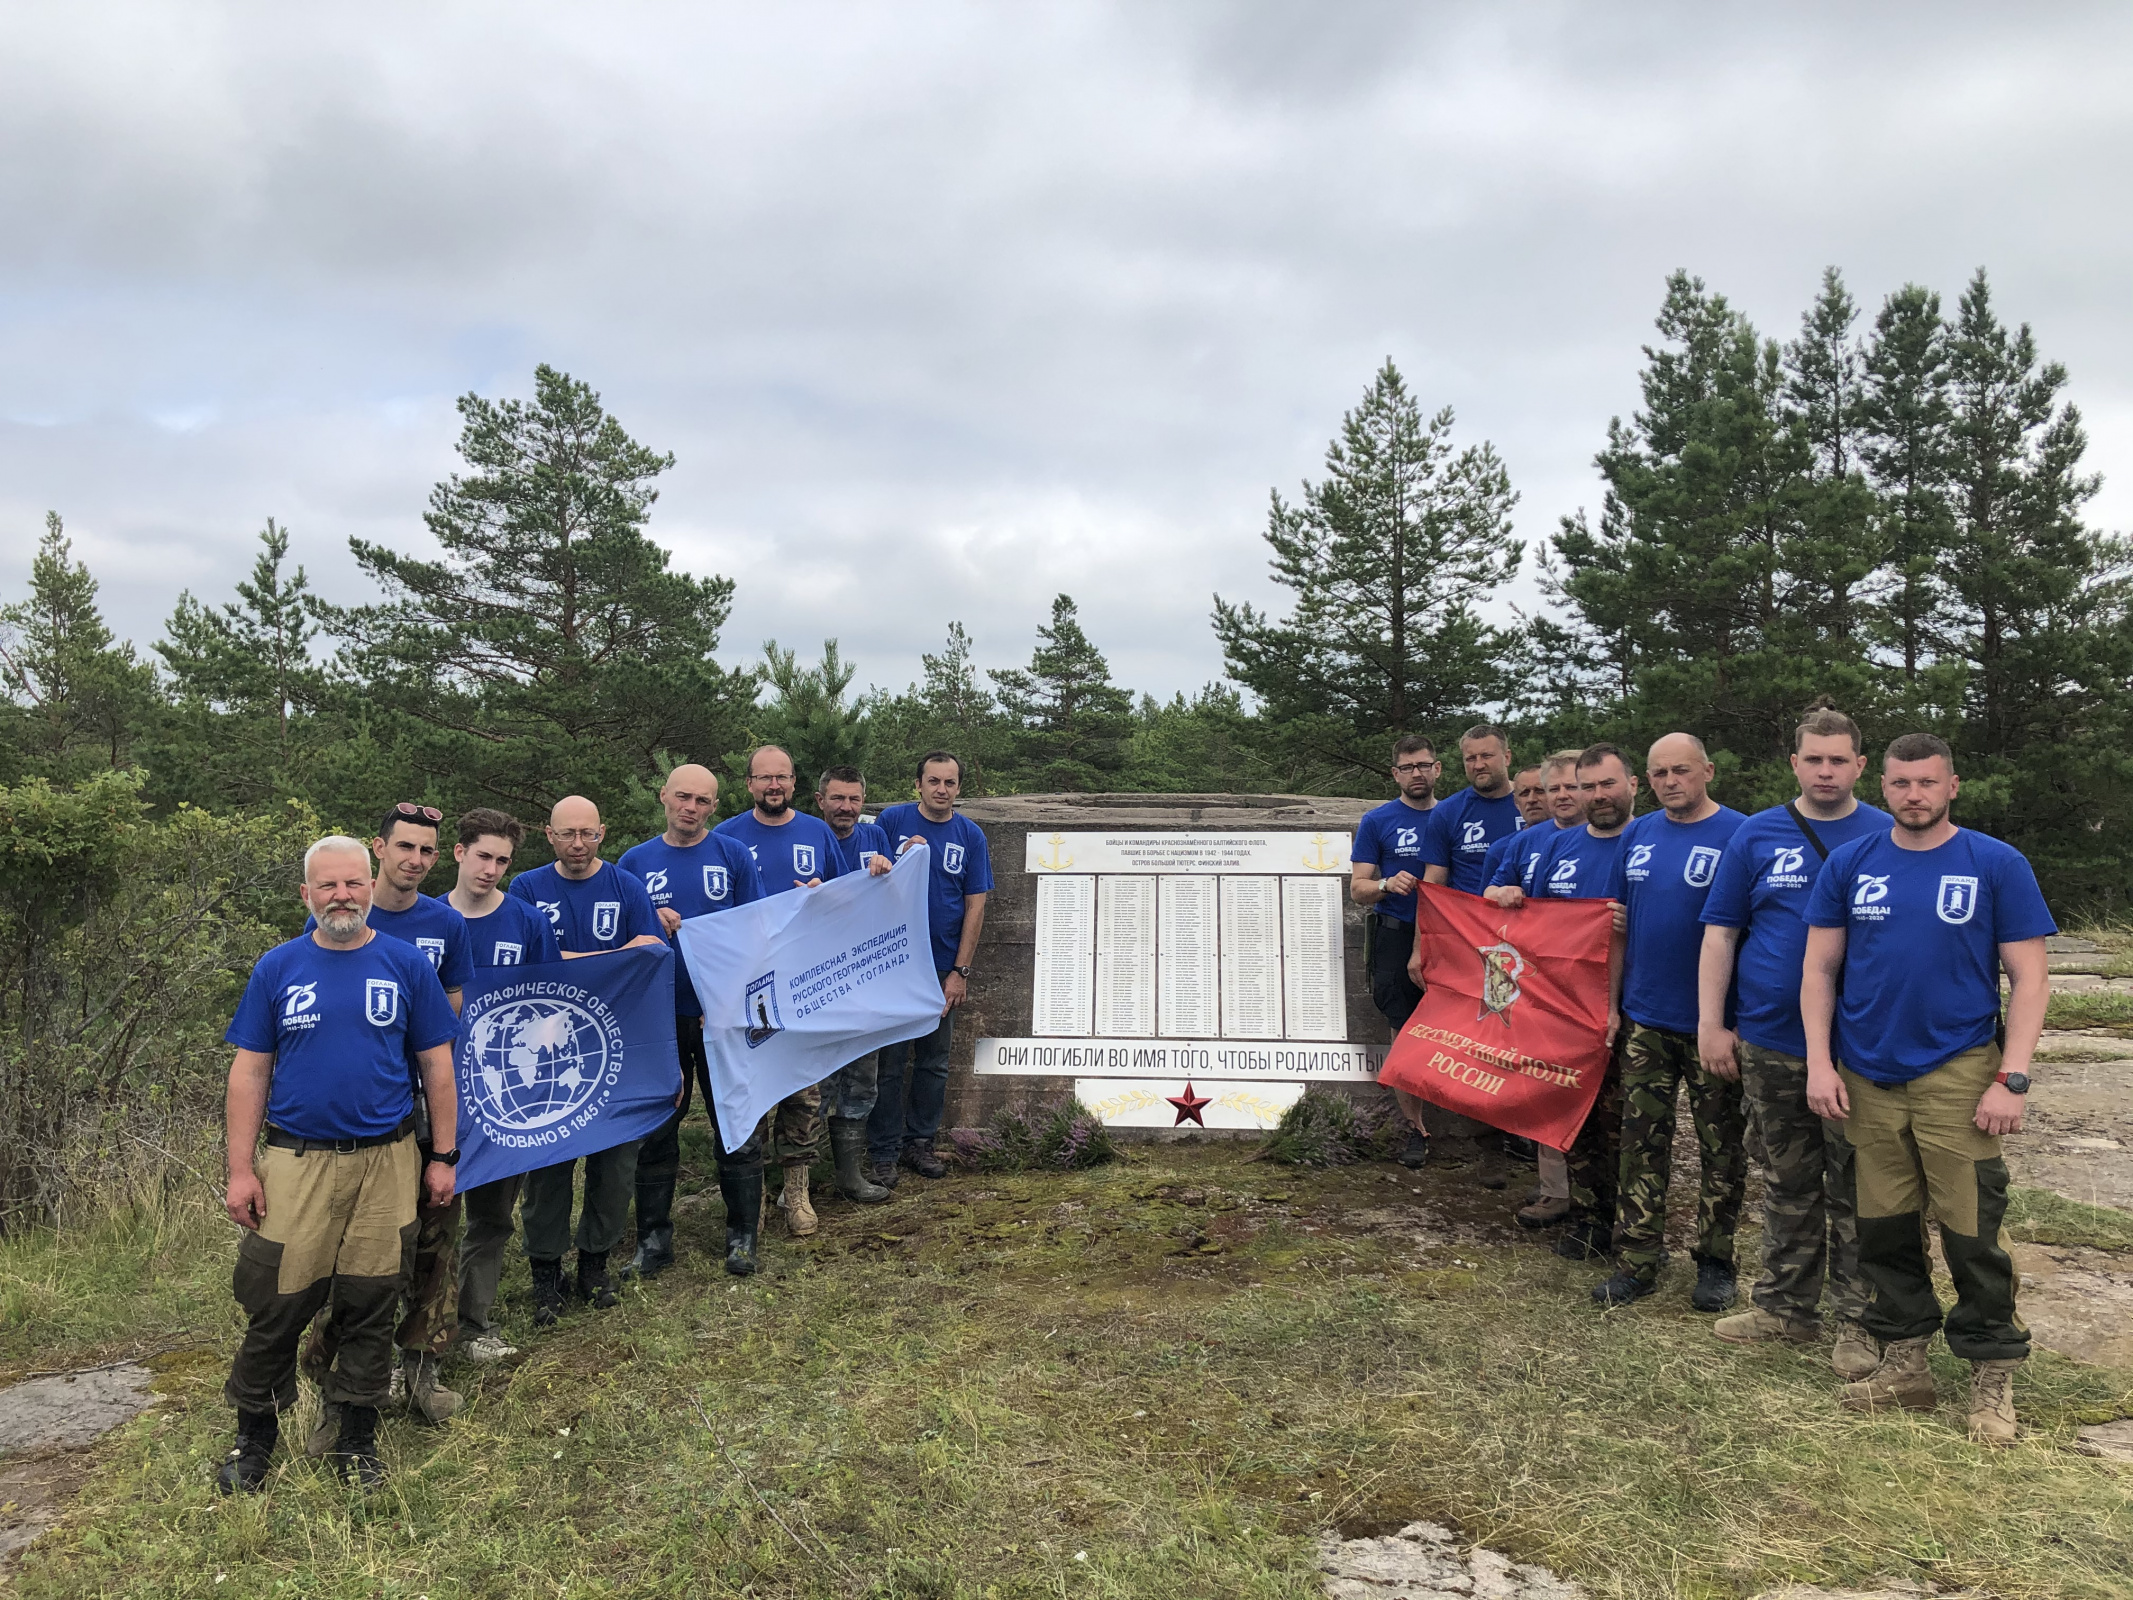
x: 944, y: 309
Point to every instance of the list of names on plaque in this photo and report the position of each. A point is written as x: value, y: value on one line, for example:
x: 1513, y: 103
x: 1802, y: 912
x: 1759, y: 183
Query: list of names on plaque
x: 1187, y: 967
x: 1125, y: 956
x: 1062, y: 996
x: 1314, y: 986
x: 1251, y: 957
x: 1125, y: 916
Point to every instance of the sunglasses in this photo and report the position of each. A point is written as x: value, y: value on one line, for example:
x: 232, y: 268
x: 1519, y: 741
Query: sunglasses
x: 407, y: 808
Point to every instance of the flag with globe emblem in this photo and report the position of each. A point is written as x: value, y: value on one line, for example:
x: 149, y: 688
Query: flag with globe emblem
x: 563, y: 1060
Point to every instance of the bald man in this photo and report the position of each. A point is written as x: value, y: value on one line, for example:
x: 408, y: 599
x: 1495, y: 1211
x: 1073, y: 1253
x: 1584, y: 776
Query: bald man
x: 593, y: 908
x: 688, y: 871
x: 1661, y: 877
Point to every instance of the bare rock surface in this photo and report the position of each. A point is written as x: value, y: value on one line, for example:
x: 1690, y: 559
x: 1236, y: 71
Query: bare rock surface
x: 2112, y: 1441
x: 71, y: 1410
x: 1424, y: 1562
x: 2078, y: 1138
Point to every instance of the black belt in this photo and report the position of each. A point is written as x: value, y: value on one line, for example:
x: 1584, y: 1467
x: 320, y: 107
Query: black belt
x: 282, y: 1140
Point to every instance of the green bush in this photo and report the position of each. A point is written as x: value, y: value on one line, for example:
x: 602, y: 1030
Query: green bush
x: 1327, y: 1129
x: 1064, y: 1139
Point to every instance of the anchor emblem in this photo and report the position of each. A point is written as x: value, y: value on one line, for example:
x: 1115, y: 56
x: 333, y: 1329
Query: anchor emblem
x: 1053, y: 863
x: 1317, y: 861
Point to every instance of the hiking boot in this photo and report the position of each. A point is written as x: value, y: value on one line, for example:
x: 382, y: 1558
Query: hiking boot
x: 1492, y: 1173
x: 244, y: 1469
x: 547, y: 1290
x: 742, y: 1187
x: 594, y: 1284
x: 884, y: 1174
x: 1586, y: 1241
x: 426, y: 1397
x: 1857, y: 1352
x: 1901, y: 1379
x: 921, y: 1160
x: 488, y: 1347
x: 1543, y: 1211
x: 655, y: 1252
x: 1992, y: 1412
x: 1414, y: 1154
x: 800, y: 1216
x: 1622, y: 1288
x: 318, y: 1444
x: 355, y: 1453
x: 1716, y: 1288
x: 848, y: 1144
x: 1757, y: 1326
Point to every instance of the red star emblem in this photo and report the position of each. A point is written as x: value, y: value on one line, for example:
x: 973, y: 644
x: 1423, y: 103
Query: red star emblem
x: 1189, y: 1106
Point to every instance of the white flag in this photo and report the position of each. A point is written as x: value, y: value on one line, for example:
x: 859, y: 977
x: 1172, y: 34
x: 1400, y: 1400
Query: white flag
x: 798, y: 985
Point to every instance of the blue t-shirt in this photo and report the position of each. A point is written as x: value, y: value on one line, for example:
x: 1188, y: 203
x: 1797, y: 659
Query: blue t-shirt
x: 1663, y: 876
x: 866, y: 839
x: 603, y: 912
x: 432, y: 927
x: 1762, y: 886
x: 794, y: 851
x: 513, y: 935
x: 713, y: 874
x: 1460, y: 830
x: 342, y: 1026
x: 961, y: 866
x: 1513, y: 857
x: 1573, y: 865
x: 1921, y: 979
x: 1390, y: 838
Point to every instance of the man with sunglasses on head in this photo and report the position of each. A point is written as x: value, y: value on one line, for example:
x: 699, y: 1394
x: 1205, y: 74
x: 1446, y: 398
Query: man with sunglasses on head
x: 406, y: 849
x: 593, y: 908
x: 1385, y: 865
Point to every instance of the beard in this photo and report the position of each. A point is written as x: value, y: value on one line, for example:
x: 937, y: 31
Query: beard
x: 344, y: 923
x: 1604, y: 814
x: 775, y: 806
x: 1933, y: 819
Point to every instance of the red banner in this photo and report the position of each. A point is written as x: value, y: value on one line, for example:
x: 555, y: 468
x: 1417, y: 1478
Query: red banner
x: 1512, y: 1027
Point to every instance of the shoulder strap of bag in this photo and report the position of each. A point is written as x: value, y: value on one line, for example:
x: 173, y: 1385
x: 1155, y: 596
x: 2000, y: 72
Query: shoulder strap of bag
x: 1792, y: 810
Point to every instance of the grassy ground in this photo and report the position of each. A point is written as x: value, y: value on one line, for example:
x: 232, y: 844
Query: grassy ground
x: 1156, y: 1379
x: 2095, y: 1008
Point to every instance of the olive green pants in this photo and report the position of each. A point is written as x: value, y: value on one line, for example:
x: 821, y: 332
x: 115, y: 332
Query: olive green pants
x: 1917, y: 1144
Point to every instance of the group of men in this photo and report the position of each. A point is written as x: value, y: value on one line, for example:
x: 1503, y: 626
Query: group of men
x: 1822, y: 977
x: 342, y: 1110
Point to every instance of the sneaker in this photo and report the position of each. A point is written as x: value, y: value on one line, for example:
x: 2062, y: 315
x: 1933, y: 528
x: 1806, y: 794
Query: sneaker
x: 488, y: 1347
x: 1856, y: 1353
x: 1622, y: 1288
x: 1585, y: 1241
x: 1543, y: 1211
x: 244, y: 1469
x: 921, y: 1160
x: 1757, y: 1326
x: 1716, y: 1288
x: 1992, y: 1412
x: 1414, y: 1154
x: 1902, y: 1379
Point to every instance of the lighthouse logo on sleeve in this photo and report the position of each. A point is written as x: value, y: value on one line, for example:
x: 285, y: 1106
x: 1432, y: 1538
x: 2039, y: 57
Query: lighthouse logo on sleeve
x: 1701, y: 866
x: 607, y: 917
x: 718, y: 883
x: 803, y: 860
x: 761, y: 1005
x: 1957, y: 901
x: 381, y: 1001
x: 434, y: 949
x: 952, y: 860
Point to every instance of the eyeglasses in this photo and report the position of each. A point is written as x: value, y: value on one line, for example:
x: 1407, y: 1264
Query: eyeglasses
x: 408, y: 808
x: 1415, y: 766
x: 770, y: 777
x: 573, y: 835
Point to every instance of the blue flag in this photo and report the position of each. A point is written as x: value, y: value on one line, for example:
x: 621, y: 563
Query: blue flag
x: 564, y: 1059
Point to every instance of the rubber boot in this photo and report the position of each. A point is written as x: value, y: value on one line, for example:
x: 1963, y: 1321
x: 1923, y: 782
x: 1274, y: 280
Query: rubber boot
x: 594, y: 1284
x: 848, y: 1143
x: 742, y: 1187
x: 244, y: 1469
x: 426, y: 1397
x: 547, y: 1290
x: 655, y: 1251
x: 793, y: 1200
x: 1902, y: 1379
x: 355, y: 1453
x: 1992, y: 1412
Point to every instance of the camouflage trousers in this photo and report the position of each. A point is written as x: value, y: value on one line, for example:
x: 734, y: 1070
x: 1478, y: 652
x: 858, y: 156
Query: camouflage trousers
x: 796, y: 1129
x: 1655, y: 1064
x: 1810, y: 1209
x: 1594, y: 1158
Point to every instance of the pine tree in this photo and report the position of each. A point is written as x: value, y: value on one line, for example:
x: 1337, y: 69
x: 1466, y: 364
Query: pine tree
x: 550, y: 649
x: 77, y: 700
x: 808, y: 716
x: 1072, y: 721
x: 1389, y: 558
x: 1907, y: 417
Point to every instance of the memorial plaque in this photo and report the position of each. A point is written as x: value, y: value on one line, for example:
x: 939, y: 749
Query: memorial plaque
x: 1062, y: 994
x: 1125, y: 916
x: 1314, y: 988
x: 1251, y: 957
x: 1188, y: 963
x: 1125, y: 995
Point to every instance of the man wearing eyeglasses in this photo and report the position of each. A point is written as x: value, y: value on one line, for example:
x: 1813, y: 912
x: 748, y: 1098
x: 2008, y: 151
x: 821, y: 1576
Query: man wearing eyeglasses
x: 406, y: 849
x: 593, y: 908
x: 1386, y: 864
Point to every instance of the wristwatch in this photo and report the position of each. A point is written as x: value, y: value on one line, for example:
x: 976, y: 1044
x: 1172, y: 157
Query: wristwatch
x: 2013, y: 1082
x: 961, y: 972
x: 444, y: 1158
